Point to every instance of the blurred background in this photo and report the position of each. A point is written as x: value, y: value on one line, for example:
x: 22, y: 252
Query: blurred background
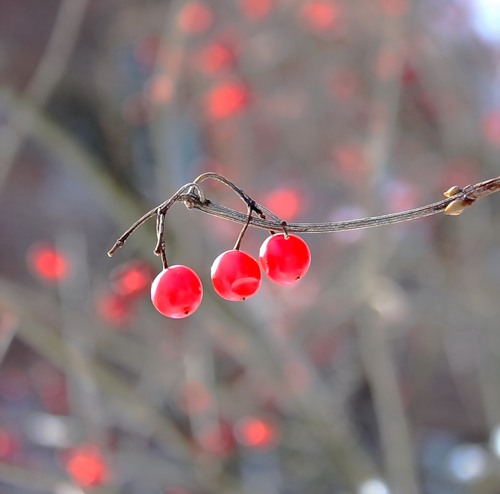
x: 378, y: 373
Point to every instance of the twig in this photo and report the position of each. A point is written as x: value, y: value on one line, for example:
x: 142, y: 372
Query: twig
x: 194, y: 198
x: 258, y: 208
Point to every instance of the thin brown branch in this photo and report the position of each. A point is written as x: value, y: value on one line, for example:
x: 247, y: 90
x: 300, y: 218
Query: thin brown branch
x: 467, y: 196
x: 194, y: 198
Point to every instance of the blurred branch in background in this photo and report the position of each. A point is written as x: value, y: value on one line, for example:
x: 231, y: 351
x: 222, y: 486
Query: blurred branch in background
x: 47, y: 74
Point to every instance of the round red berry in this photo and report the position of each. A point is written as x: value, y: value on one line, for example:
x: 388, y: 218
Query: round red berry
x: 236, y: 275
x: 48, y: 263
x: 285, y: 258
x: 177, y: 292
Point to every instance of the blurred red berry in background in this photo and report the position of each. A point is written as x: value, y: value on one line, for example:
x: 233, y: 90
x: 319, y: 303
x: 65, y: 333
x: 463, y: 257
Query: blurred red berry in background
x: 159, y: 89
x: 47, y: 262
x: 256, y: 9
x: 195, y: 17
x: 286, y: 202
x: 10, y: 445
x: 410, y: 74
x: 217, y: 439
x: 320, y: 15
x: 87, y: 466
x: 491, y: 127
x: 350, y: 162
x: 254, y: 432
x: 394, y: 8
x: 132, y: 279
x: 216, y: 57
x: 226, y: 99
x: 114, y: 308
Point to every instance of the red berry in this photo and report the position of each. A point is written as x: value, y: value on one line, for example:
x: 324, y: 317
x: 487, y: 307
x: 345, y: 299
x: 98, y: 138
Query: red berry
x: 254, y: 432
x: 256, y: 9
x: 113, y: 308
x: 176, y: 292
x: 236, y: 275
x: 87, y: 466
x: 321, y: 15
x: 226, y: 99
x: 285, y: 259
x: 132, y: 278
x: 48, y: 263
x: 10, y: 445
x: 217, y: 438
x: 286, y: 202
x: 195, y: 17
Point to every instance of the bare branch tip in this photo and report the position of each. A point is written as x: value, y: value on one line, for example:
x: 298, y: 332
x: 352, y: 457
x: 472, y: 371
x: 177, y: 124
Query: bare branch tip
x: 118, y: 244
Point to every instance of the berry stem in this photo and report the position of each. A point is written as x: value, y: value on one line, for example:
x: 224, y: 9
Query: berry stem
x: 193, y: 198
x: 160, y: 249
x: 258, y: 208
x: 244, y: 229
x: 284, y: 228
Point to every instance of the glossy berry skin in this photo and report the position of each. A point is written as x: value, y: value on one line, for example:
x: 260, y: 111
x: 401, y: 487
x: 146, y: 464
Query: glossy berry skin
x: 176, y: 292
x: 236, y: 275
x: 285, y: 259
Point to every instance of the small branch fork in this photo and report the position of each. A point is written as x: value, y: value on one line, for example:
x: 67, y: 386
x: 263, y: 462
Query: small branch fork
x: 193, y: 197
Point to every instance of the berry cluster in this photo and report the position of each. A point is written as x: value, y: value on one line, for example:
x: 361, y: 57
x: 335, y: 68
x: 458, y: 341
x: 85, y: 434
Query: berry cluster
x: 177, y: 291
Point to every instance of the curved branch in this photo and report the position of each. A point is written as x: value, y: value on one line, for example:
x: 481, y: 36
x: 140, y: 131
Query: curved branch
x: 457, y: 199
x: 464, y: 197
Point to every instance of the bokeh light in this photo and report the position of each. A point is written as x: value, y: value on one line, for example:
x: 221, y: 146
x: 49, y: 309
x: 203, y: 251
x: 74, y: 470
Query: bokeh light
x: 468, y: 462
x: 87, y: 466
x: 132, y: 279
x: 254, y: 432
x: 373, y: 486
x: 47, y: 262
